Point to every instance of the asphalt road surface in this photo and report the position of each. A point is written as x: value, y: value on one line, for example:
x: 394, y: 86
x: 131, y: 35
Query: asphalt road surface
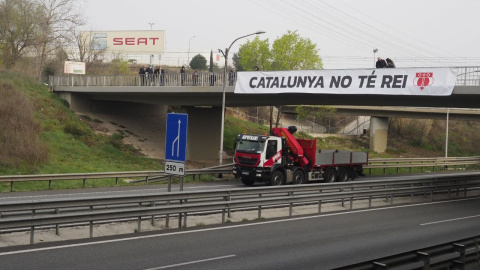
x: 146, y: 189
x: 311, y: 242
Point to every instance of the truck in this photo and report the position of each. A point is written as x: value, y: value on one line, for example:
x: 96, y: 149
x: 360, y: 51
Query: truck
x: 279, y: 158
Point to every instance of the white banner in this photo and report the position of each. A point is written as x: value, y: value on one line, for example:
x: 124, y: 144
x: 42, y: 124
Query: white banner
x: 71, y: 67
x: 386, y: 81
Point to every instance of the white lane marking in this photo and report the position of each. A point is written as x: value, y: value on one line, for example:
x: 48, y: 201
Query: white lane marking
x: 103, y: 192
x: 225, y: 228
x: 448, y: 220
x: 192, y: 262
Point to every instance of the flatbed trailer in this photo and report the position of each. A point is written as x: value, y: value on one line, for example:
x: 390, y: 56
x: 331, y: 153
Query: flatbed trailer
x: 280, y: 158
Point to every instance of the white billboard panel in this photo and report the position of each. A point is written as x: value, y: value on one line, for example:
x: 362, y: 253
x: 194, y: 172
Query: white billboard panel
x: 151, y: 42
x: 71, y: 67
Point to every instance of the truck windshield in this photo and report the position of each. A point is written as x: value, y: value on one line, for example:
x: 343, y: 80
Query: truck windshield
x: 253, y: 147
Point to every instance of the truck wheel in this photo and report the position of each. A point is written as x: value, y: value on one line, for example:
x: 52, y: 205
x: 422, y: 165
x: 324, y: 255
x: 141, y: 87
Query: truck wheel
x: 247, y: 181
x: 360, y: 170
x: 343, y: 174
x: 277, y: 179
x: 353, y: 174
x: 298, y: 177
x: 330, y: 175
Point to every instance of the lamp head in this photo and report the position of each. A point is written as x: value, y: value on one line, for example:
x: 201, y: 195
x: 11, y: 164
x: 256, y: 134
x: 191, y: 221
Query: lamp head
x: 259, y: 32
x: 375, y: 50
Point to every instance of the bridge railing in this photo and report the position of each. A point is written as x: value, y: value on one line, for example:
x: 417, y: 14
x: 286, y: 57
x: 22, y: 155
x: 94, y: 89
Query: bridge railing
x: 187, y: 79
x: 466, y: 76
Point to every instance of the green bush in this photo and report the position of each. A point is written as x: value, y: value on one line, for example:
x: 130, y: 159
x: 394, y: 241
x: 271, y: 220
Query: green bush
x: 75, y: 129
x: 116, y: 140
x: 81, y: 131
x: 198, y: 62
x: 237, y: 126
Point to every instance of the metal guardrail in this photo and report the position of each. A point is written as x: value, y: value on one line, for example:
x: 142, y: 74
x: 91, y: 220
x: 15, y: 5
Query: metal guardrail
x: 453, y: 255
x: 154, y: 176
x: 466, y: 76
x: 44, y: 212
x: 436, y: 162
x: 147, y: 175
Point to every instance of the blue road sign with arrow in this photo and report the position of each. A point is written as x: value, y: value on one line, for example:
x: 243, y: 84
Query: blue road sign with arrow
x: 176, y: 137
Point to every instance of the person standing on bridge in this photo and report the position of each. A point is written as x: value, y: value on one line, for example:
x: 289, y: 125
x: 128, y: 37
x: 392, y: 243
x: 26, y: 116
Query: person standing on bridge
x: 232, y: 76
x: 183, y: 73
x: 213, y: 79
x: 162, y: 76
x: 381, y: 63
x: 156, y: 75
x: 390, y: 63
x: 141, y: 74
x: 149, y: 75
x: 195, y: 78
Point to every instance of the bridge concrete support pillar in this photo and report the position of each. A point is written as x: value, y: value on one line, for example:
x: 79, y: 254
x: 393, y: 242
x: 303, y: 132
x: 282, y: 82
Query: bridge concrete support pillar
x: 78, y: 102
x: 204, y: 128
x: 378, y: 133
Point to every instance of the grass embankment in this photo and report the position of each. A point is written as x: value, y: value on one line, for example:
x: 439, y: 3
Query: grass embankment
x: 235, y: 126
x: 64, y: 143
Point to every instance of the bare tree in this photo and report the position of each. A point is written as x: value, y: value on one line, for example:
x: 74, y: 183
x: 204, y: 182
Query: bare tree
x: 86, y: 51
x: 57, y: 21
x: 17, y: 29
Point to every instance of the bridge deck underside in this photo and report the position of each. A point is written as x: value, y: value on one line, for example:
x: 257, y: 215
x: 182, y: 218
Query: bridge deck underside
x: 240, y: 100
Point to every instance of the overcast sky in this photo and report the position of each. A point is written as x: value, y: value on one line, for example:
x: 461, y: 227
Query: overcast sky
x: 412, y: 32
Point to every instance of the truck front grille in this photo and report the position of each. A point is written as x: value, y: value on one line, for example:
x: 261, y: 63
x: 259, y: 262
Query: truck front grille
x: 247, y: 161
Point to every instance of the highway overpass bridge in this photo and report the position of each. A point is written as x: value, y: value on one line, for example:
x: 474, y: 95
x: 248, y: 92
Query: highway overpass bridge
x: 201, y: 98
x: 400, y: 112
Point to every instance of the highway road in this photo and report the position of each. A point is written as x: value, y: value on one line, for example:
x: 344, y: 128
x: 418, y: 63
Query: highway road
x: 148, y: 189
x: 309, y: 242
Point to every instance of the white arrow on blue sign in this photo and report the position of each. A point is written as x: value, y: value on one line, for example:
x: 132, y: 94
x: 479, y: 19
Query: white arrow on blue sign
x: 176, y: 137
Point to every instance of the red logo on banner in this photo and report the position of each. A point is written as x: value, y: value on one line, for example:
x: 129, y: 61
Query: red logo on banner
x: 423, y: 79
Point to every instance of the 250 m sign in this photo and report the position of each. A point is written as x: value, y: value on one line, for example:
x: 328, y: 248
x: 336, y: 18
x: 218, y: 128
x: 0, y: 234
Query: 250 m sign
x: 176, y: 168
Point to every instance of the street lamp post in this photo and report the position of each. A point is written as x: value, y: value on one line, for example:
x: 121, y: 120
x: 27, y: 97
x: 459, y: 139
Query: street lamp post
x: 446, y: 134
x: 374, y: 51
x: 188, y: 56
x: 225, y: 55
